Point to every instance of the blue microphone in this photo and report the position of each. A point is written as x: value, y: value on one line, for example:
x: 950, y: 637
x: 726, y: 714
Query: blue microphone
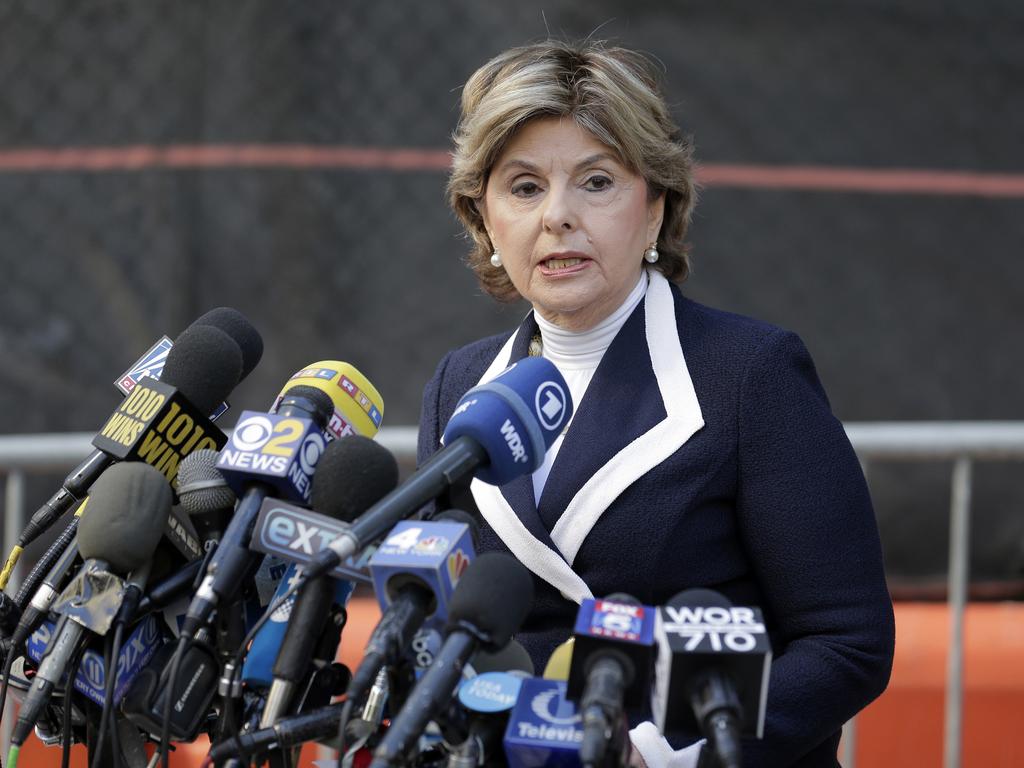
x: 486, y: 702
x: 499, y: 431
x: 415, y: 571
x: 266, y: 453
x: 429, y: 553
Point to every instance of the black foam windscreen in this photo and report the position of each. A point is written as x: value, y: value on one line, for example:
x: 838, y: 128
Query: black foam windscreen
x: 201, y: 487
x: 353, y: 474
x: 125, y: 516
x: 512, y: 658
x: 461, y: 516
x: 237, y: 326
x: 494, y: 595
x: 323, y: 406
x: 204, y: 364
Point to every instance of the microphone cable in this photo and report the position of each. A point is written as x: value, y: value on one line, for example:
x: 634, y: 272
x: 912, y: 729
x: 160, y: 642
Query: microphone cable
x: 47, y: 561
x: 112, y: 651
x: 69, y: 689
x: 235, y: 666
x: 346, y: 715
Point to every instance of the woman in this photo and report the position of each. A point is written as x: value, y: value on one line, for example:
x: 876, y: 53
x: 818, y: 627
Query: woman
x: 702, y: 452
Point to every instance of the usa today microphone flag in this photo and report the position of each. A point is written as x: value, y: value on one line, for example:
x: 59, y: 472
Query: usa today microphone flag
x: 499, y: 431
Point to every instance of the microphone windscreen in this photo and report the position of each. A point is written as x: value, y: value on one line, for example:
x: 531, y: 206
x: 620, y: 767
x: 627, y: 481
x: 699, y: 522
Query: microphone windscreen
x: 512, y: 658
x: 358, y: 406
x: 515, y: 418
x: 204, y: 364
x: 560, y: 661
x: 494, y: 595
x: 237, y: 326
x: 322, y: 404
x: 201, y: 487
x: 127, y: 513
x: 352, y: 474
x: 461, y: 516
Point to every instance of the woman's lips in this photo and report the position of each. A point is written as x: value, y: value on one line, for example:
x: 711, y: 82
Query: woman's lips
x: 562, y: 264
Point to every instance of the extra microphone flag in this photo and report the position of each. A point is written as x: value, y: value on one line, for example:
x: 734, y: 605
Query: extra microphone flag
x: 297, y: 535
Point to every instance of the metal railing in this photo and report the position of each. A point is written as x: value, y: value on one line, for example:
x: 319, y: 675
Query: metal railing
x: 962, y: 443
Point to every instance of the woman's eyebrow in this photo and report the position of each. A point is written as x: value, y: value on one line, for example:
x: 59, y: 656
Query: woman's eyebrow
x: 515, y: 162
x: 594, y: 159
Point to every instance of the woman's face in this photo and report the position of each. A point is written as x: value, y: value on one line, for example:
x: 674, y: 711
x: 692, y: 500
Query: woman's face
x: 570, y: 221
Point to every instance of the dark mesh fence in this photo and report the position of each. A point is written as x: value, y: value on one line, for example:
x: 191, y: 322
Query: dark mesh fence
x: 910, y: 303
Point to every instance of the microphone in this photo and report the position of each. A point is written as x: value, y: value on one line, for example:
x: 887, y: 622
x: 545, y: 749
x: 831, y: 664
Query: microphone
x: 490, y: 602
x: 485, y: 703
x: 237, y: 326
x: 351, y: 475
x: 499, y: 431
x: 158, y: 423
x: 712, y: 672
x: 44, y: 597
x: 128, y: 508
x: 288, y: 732
x: 204, y: 494
x: 138, y: 648
x: 560, y: 660
x: 225, y: 319
x: 415, y: 573
x: 358, y: 406
x: 267, y: 453
x: 612, y: 660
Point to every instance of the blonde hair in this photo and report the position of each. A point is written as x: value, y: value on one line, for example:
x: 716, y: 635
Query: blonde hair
x: 610, y: 92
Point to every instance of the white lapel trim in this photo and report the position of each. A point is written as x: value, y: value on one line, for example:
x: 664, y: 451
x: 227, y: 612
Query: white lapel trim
x: 528, y: 549
x: 683, y: 418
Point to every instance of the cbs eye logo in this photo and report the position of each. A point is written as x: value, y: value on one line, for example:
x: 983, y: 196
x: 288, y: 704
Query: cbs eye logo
x: 252, y: 433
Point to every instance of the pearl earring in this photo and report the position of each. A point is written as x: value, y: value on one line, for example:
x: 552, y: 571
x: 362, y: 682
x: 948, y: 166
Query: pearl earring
x: 651, y: 254
x: 495, y: 259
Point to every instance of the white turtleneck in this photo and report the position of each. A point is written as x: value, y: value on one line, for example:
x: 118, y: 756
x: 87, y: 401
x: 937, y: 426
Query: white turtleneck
x: 577, y: 354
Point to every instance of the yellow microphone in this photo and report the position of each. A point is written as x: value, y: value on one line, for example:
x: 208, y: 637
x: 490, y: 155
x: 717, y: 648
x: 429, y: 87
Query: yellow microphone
x: 559, y: 662
x: 358, y: 406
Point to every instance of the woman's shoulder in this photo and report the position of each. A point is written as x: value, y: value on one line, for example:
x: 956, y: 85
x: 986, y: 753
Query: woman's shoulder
x: 712, y: 329
x: 476, y: 355
x: 462, y: 367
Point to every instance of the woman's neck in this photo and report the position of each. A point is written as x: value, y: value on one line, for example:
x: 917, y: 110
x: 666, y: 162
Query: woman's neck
x: 584, y: 349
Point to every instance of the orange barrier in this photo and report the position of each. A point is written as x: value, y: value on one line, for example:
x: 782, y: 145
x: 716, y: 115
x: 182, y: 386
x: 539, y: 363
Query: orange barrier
x: 902, y: 728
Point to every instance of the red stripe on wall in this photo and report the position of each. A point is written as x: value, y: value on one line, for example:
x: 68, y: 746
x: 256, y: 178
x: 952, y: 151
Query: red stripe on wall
x: 900, y: 181
x: 300, y: 156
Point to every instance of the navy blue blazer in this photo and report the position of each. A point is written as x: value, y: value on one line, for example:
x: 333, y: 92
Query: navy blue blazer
x: 704, y: 454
